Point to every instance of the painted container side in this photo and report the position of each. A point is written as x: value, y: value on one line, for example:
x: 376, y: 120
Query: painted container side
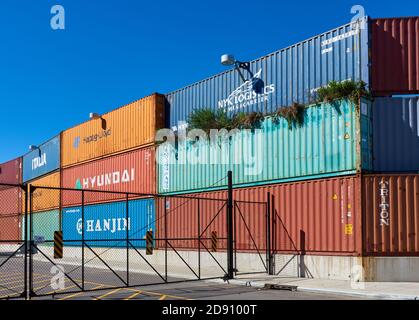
x: 289, y: 75
x: 395, y: 56
x: 11, y: 172
x: 11, y: 200
x: 396, y: 134
x: 44, y: 225
x: 10, y: 229
x: 44, y: 199
x: 105, y: 225
x: 42, y: 161
x: 330, y: 141
x: 125, y: 128
x: 391, y: 214
x: 134, y: 171
x: 318, y: 217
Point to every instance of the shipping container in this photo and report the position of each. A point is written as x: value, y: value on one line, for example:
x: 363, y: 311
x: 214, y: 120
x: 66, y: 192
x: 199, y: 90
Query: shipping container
x: 396, y: 134
x: 11, y: 172
x: 391, y: 214
x: 395, y: 56
x: 359, y: 215
x: 10, y: 229
x: 11, y: 199
x: 326, y: 212
x: 43, y: 226
x: 44, y: 199
x: 290, y: 75
x: 43, y: 160
x: 133, y: 171
x: 335, y: 139
x: 123, y: 129
x: 106, y: 224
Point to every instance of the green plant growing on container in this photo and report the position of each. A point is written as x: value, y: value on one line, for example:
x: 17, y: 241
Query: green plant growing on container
x: 207, y: 119
x: 294, y: 115
x: 334, y: 90
x: 247, y: 120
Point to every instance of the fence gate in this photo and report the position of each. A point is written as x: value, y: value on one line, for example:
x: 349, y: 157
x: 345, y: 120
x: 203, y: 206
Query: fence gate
x: 13, y: 278
x: 86, y: 240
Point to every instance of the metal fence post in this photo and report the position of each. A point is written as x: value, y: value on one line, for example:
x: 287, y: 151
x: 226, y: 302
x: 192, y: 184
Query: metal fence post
x: 31, y: 190
x: 165, y: 237
x: 127, y: 235
x: 82, y: 239
x: 268, y: 234
x: 199, y: 242
x: 25, y: 238
x: 230, y: 236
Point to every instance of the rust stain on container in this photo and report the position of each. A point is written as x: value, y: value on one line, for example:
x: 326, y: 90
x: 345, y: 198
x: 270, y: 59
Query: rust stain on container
x: 391, y: 214
x: 395, y: 56
x: 125, y: 128
x: 45, y: 199
x: 133, y: 171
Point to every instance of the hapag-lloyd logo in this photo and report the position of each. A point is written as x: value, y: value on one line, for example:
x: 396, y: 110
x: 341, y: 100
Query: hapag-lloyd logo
x: 92, y: 138
x: 245, y: 95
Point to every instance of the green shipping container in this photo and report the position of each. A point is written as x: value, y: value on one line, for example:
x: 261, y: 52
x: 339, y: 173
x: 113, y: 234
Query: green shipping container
x: 44, y: 225
x: 334, y: 139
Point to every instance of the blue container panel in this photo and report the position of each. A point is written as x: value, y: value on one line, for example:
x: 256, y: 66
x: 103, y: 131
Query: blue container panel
x: 289, y: 75
x: 396, y: 134
x: 42, y: 161
x: 106, y: 224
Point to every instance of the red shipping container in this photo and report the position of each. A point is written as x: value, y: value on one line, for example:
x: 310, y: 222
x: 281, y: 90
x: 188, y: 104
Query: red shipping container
x: 395, y: 56
x: 317, y: 216
x: 11, y: 172
x: 10, y: 229
x: 134, y: 172
x: 11, y: 200
x: 391, y: 214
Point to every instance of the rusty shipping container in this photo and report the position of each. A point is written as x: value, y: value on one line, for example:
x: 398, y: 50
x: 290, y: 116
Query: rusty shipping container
x: 360, y: 215
x: 11, y: 200
x: 319, y: 217
x: 10, y: 229
x: 123, y: 129
x: 44, y: 199
x: 133, y: 171
x: 391, y: 214
x: 11, y: 171
x: 395, y: 56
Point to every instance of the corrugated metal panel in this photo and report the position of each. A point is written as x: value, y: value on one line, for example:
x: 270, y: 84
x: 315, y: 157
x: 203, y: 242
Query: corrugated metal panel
x: 395, y: 56
x: 326, y: 211
x: 43, y: 160
x: 128, y: 172
x: 329, y: 143
x: 391, y: 210
x: 11, y: 171
x: 290, y: 75
x: 109, y: 222
x: 128, y: 127
x: 9, y: 229
x: 396, y: 134
x: 46, y: 199
x: 10, y: 200
x: 44, y: 224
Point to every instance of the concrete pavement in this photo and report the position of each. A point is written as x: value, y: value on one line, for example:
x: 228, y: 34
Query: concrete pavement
x: 370, y: 290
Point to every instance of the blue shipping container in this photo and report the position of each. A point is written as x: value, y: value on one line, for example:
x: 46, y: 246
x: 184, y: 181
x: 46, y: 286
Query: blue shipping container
x: 43, y: 160
x: 108, y: 221
x: 289, y: 75
x: 396, y: 134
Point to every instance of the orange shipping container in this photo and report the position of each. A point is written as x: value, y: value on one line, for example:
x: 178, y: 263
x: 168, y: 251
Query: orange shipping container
x: 46, y: 199
x: 123, y: 129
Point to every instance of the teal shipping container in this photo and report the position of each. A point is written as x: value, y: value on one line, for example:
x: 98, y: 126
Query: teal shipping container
x: 44, y: 225
x: 334, y: 139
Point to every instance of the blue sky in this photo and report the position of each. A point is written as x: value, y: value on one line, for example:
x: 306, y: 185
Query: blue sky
x: 115, y: 51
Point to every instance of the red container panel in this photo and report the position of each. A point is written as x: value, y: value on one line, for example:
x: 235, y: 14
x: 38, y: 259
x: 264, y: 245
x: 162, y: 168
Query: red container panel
x: 128, y: 172
x: 10, y: 229
x: 391, y: 214
x: 395, y: 56
x: 317, y: 217
x: 11, y: 172
x: 11, y: 201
